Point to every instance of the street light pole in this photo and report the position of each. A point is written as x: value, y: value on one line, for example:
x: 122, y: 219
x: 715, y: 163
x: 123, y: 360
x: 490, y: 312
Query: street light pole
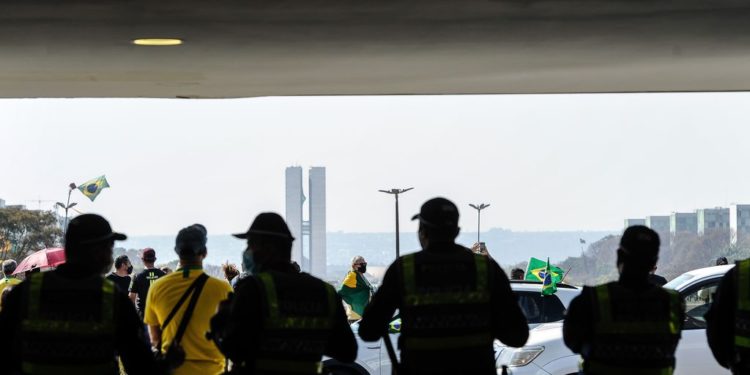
x: 479, y: 208
x: 67, y: 207
x: 395, y: 193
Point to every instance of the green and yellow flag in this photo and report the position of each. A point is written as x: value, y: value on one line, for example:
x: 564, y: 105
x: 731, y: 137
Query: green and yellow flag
x: 92, y: 188
x: 549, y: 286
x: 539, y: 270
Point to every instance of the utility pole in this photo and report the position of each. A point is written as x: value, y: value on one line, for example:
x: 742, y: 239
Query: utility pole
x: 479, y: 208
x: 395, y: 193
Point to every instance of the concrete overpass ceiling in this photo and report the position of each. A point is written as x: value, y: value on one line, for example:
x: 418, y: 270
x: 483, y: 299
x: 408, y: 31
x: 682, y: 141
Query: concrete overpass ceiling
x: 232, y: 48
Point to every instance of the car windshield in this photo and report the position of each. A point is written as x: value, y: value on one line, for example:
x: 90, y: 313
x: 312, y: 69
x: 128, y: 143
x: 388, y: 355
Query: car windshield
x: 678, y: 281
x: 540, y: 309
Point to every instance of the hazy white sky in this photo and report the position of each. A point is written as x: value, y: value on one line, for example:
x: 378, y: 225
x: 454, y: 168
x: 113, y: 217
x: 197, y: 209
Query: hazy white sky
x: 552, y: 162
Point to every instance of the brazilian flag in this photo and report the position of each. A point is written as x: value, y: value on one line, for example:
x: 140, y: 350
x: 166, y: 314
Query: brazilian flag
x: 549, y: 275
x: 92, y: 188
x: 549, y: 287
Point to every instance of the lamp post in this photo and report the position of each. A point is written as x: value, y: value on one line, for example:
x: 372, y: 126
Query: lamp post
x: 479, y: 208
x: 395, y: 193
x: 67, y: 207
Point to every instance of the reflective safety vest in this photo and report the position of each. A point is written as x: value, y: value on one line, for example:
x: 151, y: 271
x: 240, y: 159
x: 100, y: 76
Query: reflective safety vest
x: 58, y: 342
x: 443, y: 318
x: 287, y: 336
x: 742, y: 316
x: 633, y: 346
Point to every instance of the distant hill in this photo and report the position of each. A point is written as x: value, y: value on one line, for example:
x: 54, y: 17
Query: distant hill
x: 684, y: 253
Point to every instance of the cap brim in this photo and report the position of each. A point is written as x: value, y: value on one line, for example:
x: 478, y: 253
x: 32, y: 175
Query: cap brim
x: 114, y: 236
x: 415, y: 217
x: 241, y: 235
x: 263, y: 233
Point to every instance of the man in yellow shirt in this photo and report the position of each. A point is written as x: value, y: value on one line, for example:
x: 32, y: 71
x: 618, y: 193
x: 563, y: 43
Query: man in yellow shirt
x: 201, y: 355
x: 8, y: 280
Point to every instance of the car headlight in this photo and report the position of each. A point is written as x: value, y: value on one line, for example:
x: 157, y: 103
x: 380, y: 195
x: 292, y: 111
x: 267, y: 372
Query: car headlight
x: 520, y: 356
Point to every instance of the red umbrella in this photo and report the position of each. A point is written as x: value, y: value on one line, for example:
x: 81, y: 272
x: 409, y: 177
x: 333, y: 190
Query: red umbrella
x: 45, y: 258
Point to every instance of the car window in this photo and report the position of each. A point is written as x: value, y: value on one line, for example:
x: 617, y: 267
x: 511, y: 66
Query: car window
x: 540, y: 309
x: 697, y: 302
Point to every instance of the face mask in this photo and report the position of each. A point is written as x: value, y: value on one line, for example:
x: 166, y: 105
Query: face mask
x: 130, y: 270
x: 363, y: 268
x: 248, y: 262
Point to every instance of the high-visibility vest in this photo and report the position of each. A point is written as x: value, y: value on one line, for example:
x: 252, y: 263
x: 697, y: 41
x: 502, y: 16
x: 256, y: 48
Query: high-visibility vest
x: 424, y: 326
x: 626, y: 346
x: 289, y: 336
x: 742, y: 316
x: 57, y: 343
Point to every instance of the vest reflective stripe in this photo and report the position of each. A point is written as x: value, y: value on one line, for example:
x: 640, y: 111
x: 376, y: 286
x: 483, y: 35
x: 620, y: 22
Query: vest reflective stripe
x: 599, y: 368
x: 742, y: 318
x: 607, y: 325
x: 744, y: 285
x: 742, y: 341
x: 35, y: 297
x: 277, y: 321
x: 36, y: 368
x: 289, y: 366
x: 36, y: 324
x: 413, y: 298
x: 434, y: 343
x: 58, y: 326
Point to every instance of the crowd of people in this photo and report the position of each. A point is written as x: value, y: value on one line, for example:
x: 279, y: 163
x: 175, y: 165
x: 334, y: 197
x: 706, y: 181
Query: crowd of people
x: 270, y: 318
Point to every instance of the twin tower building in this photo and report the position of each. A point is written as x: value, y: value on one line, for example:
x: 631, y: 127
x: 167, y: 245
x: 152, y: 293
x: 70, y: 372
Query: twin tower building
x: 309, y: 248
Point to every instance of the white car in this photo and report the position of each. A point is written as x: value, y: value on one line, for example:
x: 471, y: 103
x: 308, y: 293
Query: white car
x: 372, y: 358
x: 546, y: 354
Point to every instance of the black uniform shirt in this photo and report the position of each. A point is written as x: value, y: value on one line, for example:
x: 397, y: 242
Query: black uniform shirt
x: 121, y: 282
x: 130, y: 338
x: 656, y: 279
x: 141, y: 283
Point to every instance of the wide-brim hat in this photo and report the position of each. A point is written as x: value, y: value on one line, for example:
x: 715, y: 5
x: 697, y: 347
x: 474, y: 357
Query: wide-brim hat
x: 268, y: 224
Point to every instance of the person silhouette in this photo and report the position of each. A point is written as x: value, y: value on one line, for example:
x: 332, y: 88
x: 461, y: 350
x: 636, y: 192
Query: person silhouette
x: 453, y: 303
x: 71, y: 319
x: 630, y: 325
x: 280, y: 320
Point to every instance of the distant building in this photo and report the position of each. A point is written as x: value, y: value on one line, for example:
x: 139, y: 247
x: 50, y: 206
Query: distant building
x: 712, y: 219
x: 317, y: 191
x: 314, y: 260
x: 683, y: 223
x: 631, y: 222
x: 295, y: 198
x: 2, y: 203
x: 660, y: 225
x: 739, y: 222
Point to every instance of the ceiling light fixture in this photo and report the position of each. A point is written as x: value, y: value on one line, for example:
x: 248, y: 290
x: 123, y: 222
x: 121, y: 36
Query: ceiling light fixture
x: 160, y: 42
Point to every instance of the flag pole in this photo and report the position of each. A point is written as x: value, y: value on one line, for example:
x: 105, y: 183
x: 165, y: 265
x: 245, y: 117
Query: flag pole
x: 565, y: 275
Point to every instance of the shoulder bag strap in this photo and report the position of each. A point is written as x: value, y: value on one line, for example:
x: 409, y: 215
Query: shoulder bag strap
x: 177, y: 307
x: 199, y: 283
x: 179, y: 304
